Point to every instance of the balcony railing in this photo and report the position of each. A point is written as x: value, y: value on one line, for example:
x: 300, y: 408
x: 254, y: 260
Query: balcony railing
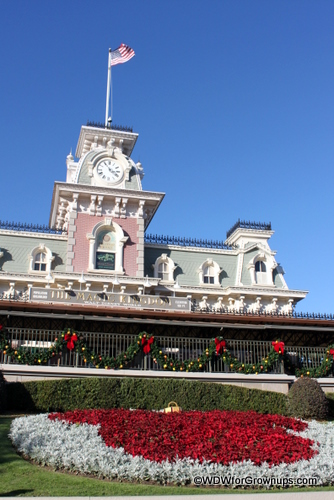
x: 32, y: 228
x: 267, y: 314
x: 243, y: 224
x: 111, y: 126
x: 182, y: 348
x: 186, y: 242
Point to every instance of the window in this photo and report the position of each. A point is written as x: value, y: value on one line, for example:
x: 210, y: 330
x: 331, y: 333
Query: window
x: 260, y: 267
x: 106, y: 244
x: 40, y: 259
x: 209, y: 273
x: 163, y: 273
x: 260, y: 272
x: 40, y: 262
x: 164, y: 268
x: 105, y: 251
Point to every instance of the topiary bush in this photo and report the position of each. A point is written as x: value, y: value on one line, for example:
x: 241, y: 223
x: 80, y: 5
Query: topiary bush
x: 306, y: 399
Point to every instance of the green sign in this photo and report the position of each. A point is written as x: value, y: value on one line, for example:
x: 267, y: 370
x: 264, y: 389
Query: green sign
x: 105, y: 260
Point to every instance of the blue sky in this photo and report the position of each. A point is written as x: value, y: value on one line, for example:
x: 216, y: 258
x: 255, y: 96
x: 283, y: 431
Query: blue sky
x: 233, y: 102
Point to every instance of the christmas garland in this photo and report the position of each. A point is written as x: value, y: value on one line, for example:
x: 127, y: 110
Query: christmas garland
x: 147, y: 344
x: 321, y: 371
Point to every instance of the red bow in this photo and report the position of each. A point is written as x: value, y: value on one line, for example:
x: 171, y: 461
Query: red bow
x: 220, y: 344
x: 146, y: 343
x: 278, y: 346
x: 70, y: 338
x: 331, y: 351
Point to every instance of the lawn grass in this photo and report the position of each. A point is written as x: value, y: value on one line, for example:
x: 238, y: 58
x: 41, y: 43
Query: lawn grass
x: 22, y: 478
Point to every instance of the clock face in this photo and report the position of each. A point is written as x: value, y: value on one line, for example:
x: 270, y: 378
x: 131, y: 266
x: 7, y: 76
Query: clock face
x: 109, y: 171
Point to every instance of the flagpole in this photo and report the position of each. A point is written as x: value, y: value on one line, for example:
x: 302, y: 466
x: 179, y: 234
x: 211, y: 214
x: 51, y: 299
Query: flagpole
x: 108, y: 88
x: 111, y: 103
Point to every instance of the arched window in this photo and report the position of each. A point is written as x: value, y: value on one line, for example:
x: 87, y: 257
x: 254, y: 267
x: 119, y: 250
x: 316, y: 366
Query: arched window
x: 261, y: 272
x: 163, y: 272
x: 209, y: 272
x: 106, y: 250
x: 40, y: 259
x: 40, y: 262
x: 209, y: 275
x: 260, y: 267
x: 164, y: 268
x: 106, y: 243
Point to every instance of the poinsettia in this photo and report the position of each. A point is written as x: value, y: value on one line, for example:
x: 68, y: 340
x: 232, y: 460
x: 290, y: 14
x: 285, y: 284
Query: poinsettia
x: 216, y: 436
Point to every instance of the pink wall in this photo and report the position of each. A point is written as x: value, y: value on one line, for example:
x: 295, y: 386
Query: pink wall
x: 130, y: 227
x: 85, y: 224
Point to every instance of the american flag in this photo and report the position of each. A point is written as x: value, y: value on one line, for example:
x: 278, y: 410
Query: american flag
x: 121, y: 55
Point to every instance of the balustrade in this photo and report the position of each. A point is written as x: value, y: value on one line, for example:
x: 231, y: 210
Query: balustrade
x: 182, y: 348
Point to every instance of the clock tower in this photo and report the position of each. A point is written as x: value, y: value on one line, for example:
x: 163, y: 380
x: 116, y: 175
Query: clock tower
x: 103, y: 207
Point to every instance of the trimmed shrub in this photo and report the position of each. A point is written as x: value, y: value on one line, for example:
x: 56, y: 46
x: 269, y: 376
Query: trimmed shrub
x: 3, y: 393
x: 306, y: 399
x: 330, y: 399
x: 150, y: 394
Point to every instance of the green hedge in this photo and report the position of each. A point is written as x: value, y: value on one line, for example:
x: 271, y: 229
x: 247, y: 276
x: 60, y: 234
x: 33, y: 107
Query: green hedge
x: 151, y: 394
x: 330, y: 399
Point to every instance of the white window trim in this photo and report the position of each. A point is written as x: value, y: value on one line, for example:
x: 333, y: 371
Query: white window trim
x: 270, y: 264
x: 107, y: 224
x: 217, y: 270
x: 48, y: 260
x: 164, y: 259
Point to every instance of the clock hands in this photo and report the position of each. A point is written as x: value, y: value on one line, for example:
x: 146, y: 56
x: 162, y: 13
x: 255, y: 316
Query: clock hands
x: 113, y: 172
x: 109, y: 171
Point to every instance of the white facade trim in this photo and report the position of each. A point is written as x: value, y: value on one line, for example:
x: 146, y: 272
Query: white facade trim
x: 164, y: 259
x: 208, y: 270
x: 49, y: 258
x: 193, y: 249
x: 27, y: 234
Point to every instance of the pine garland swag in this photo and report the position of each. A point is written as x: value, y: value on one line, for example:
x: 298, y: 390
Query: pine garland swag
x: 146, y: 344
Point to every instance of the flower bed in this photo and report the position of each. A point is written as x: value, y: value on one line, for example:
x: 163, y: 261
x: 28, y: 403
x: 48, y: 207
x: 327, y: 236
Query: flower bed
x: 216, y: 436
x: 174, y: 448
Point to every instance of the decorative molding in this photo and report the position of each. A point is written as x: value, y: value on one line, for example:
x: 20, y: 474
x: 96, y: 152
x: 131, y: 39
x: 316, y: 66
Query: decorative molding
x: 49, y: 258
x: 120, y: 241
x: 192, y: 249
x: 27, y: 234
x: 164, y: 259
x: 203, y: 270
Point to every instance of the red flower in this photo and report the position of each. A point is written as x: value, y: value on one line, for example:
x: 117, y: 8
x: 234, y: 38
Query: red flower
x: 146, y: 343
x: 70, y: 338
x: 220, y: 344
x: 217, y: 436
x: 331, y: 351
x: 278, y: 346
